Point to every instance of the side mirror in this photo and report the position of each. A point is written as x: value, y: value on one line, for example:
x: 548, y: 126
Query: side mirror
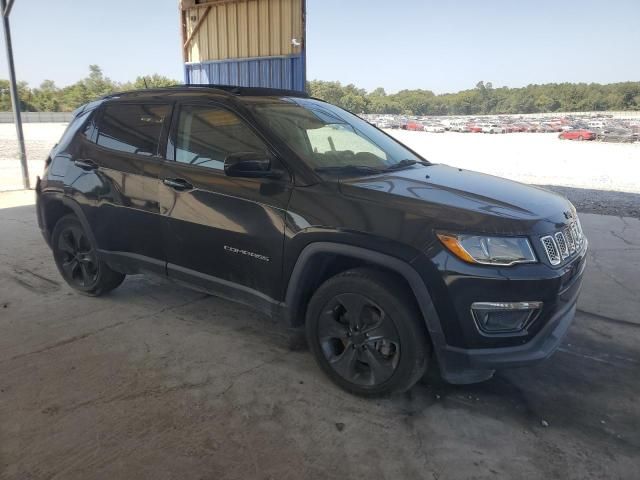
x: 250, y: 165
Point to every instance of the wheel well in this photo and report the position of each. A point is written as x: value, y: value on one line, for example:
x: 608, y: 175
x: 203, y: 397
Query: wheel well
x: 322, y: 267
x: 54, y: 210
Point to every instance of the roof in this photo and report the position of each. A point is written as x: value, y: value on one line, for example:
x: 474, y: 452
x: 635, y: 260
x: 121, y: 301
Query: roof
x: 231, y: 90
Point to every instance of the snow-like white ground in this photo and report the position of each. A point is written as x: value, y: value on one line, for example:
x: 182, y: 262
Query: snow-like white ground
x: 539, y: 158
x: 39, y: 138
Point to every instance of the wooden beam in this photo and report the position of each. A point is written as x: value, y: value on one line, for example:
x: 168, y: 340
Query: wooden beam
x: 183, y: 34
x: 194, y: 31
x: 208, y: 3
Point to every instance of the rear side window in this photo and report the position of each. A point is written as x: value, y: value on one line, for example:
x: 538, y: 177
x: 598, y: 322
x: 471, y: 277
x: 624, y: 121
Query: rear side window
x: 207, y: 135
x: 132, y: 128
x: 72, y: 129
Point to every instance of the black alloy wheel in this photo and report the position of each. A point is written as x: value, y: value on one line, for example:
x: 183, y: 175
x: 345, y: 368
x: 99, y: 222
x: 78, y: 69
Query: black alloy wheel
x: 77, y: 257
x: 78, y: 261
x: 367, y: 333
x: 359, y: 340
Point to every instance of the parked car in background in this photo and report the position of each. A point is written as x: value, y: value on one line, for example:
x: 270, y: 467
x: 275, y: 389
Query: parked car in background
x: 492, y: 128
x: 414, y: 126
x: 474, y: 128
x: 618, y: 135
x: 549, y: 127
x: 596, y: 124
x: 458, y: 126
x: 433, y: 128
x: 578, y: 134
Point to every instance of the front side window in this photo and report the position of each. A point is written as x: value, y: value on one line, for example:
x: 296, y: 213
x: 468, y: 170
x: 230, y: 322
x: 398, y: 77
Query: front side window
x: 132, y: 128
x: 207, y: 135
x: 330, y: 139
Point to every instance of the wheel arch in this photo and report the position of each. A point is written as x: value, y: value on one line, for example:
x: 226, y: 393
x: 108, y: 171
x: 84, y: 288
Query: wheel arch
x: 54, y: 206
x: 303, y: 282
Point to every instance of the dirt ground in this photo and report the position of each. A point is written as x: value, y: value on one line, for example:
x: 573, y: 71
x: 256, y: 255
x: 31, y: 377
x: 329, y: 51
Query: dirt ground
x: 156, y: 381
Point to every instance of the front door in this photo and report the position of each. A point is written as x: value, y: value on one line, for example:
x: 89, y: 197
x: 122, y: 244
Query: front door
x: 225, y: 234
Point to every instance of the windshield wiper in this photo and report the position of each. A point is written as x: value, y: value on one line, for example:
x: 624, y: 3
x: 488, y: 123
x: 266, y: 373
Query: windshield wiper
x: 404, y: 164
x: 349, y: 169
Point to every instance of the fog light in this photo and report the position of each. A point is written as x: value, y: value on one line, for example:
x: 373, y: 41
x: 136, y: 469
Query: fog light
x: 504, y: 317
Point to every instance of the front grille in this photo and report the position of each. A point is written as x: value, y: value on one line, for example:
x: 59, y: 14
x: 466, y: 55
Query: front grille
x: 563, y: 244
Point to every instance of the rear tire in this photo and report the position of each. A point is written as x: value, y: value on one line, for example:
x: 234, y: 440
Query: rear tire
x: 367, y: 334
x: 77, y: 259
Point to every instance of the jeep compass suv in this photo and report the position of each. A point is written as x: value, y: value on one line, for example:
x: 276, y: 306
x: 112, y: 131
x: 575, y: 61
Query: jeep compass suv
x: 303, y: 210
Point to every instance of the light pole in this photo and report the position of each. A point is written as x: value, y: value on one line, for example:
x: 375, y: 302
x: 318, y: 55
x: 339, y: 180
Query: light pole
x: 6, y: 6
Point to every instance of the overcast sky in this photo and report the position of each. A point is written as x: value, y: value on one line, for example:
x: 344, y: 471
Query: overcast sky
x: 443, y: 46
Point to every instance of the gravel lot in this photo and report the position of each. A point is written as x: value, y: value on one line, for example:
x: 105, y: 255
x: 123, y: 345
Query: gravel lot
x: 597, y: 177
x: 39, y: 138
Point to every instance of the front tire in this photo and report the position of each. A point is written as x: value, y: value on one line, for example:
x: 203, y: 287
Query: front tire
x: 76, y: 257
x: 367, y: 334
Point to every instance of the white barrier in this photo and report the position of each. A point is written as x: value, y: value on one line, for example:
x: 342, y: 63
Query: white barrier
x: 38, y: 117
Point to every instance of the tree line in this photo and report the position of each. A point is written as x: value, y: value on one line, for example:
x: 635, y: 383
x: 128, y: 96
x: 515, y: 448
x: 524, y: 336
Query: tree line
x: 482, y: 100
x: 48, y: 97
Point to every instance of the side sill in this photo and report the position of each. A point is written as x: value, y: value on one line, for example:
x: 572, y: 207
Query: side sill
x: 225, y: 289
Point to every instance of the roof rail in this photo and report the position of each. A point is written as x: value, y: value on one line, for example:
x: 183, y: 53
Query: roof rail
x: 228, y: 89
x: 238, y: 90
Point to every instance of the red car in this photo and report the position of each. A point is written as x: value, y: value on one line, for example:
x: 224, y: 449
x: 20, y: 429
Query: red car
x: 415, y: 126
x: 473, y: 128
x: 579, y: 134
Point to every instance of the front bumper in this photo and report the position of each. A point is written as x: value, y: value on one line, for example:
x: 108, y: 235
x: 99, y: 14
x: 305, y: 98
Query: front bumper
x: 471, y: 363
x: 458, y: 365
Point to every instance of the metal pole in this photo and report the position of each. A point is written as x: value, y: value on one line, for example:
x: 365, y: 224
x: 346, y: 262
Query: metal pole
x: 13, y: 87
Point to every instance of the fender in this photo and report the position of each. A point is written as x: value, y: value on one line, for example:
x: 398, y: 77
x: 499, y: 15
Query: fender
x: 298, y: 283
x: 65, y: 200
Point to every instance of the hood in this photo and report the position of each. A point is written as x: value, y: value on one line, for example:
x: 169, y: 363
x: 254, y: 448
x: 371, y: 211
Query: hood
x: 454, y: 196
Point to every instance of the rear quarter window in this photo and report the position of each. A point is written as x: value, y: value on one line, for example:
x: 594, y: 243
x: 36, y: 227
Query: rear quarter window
x: 77, y: 123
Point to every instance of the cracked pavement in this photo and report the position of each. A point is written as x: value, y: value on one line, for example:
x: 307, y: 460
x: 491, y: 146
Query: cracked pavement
x: 157, y: 381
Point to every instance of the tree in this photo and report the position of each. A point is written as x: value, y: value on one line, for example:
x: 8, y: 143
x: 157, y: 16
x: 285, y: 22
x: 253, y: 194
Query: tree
x: 47, y: 97
x: 151, y: 81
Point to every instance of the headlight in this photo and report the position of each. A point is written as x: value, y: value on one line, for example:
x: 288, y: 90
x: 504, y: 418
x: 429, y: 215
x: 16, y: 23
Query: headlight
x: 486, y: 250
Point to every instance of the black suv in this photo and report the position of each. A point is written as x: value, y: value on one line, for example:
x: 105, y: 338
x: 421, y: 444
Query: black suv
x: 301, y: 209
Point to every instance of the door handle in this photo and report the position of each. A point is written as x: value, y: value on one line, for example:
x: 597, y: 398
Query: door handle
x: 86, y: 164
x: 177, y: 184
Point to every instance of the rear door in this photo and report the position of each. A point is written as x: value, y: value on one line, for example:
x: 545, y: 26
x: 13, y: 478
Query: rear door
x: 118, y: 175
x: 224, y: 233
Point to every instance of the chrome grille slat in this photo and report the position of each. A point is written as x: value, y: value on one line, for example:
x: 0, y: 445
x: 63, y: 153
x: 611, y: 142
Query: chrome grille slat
x: 552, y: 250
x: 571, y: 243
x: 563, y: 244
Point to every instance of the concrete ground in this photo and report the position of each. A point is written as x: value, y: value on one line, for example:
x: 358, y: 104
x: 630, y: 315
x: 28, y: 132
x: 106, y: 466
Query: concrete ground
x: 156, y: 381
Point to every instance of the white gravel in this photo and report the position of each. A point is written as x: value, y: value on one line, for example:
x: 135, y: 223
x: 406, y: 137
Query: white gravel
x: 538, y: 158
x: 39, y: 139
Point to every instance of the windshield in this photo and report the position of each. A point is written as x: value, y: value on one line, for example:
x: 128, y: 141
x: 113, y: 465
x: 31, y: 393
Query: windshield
x: 332, y: 140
